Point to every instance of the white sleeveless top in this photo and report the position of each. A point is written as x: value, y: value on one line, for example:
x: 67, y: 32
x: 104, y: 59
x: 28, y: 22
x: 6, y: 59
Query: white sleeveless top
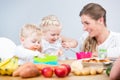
x: 50, y: 48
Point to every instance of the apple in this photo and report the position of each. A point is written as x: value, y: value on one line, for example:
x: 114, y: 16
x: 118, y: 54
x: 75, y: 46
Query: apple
x: 60, y: 71
x: 47, y: 72
x: 68, y: 68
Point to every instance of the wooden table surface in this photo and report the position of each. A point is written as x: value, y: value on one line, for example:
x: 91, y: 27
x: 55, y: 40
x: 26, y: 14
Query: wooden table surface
x: 70, y: 77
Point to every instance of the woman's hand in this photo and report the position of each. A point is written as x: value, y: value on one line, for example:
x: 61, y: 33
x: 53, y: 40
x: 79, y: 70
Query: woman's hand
x: 94, y: 54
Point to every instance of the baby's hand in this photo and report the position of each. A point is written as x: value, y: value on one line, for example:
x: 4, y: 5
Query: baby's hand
x: 41, y: 55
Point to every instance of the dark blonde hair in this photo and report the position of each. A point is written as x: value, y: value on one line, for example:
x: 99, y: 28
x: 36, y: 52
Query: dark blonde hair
x: 89, y: 44
x: 95, y: 11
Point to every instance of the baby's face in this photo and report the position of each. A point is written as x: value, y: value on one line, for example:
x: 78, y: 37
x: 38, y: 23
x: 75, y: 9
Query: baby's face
x: 32, y: 42
x: 52, y: 35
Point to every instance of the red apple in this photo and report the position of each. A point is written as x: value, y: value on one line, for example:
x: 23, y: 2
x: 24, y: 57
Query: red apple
x: 60, y: 71
x: 47, y: 72
x: 68, y: 68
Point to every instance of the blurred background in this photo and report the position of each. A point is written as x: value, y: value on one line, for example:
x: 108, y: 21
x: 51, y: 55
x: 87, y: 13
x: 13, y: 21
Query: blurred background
x: 15, y: 13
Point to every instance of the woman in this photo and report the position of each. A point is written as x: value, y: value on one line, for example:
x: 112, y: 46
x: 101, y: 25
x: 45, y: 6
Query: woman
x: 93, y: 18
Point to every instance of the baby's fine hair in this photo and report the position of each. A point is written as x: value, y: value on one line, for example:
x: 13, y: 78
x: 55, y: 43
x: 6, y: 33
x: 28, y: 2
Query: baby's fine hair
x: 50, y: 22
x: 29, y: 29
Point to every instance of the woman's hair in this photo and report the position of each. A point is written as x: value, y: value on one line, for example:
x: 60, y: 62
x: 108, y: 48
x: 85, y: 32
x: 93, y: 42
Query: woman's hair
x: 89, y: 45
x: 29, y: 29
x: 95, y: 11
x: 50, y: 22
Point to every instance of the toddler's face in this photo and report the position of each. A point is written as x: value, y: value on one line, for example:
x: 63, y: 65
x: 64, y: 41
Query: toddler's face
x: 52, y: 35
x: 32, y: 42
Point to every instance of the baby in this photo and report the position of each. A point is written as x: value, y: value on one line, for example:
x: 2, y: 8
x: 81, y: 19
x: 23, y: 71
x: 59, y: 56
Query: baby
x: 30, y: 37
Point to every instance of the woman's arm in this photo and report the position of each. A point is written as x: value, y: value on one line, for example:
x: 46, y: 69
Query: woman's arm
x: 115, y: 71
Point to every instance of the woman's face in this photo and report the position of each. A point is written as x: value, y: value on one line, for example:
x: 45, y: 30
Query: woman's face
x: 91, y: 26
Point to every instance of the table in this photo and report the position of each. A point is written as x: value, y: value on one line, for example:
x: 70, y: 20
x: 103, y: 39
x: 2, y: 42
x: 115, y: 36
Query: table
x: 70, y: 77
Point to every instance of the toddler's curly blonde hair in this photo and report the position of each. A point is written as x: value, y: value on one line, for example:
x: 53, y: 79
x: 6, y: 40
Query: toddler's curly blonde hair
x: 50, y: 22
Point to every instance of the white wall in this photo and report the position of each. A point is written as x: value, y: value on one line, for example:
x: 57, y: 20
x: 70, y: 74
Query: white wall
x: 15, y: 13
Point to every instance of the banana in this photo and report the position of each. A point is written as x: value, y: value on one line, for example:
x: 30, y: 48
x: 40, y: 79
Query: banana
x: 3, y: 65
x: 5, y: 62
x: 15, y: 63
x: 2, y: 72
x: 3, y: 69
x: 12, y: 66
x: 9, y: 67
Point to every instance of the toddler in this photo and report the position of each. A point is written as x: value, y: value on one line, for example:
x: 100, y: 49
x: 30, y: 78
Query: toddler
x: 52, y: 41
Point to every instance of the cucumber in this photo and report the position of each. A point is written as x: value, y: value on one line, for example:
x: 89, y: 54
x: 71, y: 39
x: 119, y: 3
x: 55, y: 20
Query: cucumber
x: 108, y: 70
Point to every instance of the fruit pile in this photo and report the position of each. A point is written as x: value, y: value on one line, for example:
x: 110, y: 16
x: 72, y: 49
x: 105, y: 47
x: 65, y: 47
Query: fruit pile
x: 32, y: 70
x: 61, y: 70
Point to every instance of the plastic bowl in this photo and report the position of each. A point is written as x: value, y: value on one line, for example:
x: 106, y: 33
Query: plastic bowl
x: 81, y: 55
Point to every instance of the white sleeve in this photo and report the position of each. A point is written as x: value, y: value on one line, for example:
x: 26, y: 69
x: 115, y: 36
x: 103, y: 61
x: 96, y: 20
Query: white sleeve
x: 115, y: 50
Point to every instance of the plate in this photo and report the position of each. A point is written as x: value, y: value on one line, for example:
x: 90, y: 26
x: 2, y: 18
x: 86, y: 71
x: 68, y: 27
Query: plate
x: 97, y: 60
x: 108, y: 62
x: 113, y: 58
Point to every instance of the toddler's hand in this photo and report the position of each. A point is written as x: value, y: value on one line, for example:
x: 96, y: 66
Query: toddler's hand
x: 66, y: 45
x: 60, y: 52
